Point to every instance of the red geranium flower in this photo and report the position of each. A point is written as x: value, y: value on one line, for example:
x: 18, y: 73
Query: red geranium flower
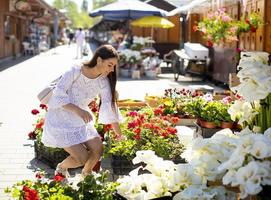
x: 59, y: 177
x: 30, y: 194
x: 32, y: 135
x: 43, y: 106
x: 35, y: 112
x: 40, y: 124
x: 38, y: 175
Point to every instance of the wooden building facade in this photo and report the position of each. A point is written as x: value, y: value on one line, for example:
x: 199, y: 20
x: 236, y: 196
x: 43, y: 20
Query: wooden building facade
x: 165, y: 39
x: 16, y: 20
x: 223, y: 57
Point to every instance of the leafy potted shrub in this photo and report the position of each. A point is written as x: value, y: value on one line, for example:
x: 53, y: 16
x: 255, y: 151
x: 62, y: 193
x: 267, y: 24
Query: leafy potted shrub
x: 225, y: 117
x: 210, y: 114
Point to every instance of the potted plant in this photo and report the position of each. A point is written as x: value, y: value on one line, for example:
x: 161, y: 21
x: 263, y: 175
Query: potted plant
x: 94, y: 186
x: 130, y: 60
x: 249, y: 23
x: 225, y: 117
x: 217, y: 27
x: 143, y: 129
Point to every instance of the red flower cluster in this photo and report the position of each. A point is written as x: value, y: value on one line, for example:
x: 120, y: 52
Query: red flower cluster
x: 32, y: 135
x: 59, y: 177
x: 30, y: 194
x: 94, y: 107
x: 157, y: 124
x: 39, y: 123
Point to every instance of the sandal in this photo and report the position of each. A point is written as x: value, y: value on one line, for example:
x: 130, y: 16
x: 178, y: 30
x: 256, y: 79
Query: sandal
x: 62, y: 171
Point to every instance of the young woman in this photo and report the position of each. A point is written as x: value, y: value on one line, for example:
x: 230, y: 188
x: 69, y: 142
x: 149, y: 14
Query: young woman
x: 69, y: 123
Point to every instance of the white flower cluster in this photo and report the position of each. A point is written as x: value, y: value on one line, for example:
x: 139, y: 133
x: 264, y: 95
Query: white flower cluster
x: 206, y: 155
x: 243, y: 112
x: 254, y: 75
x: 248, y: 166
x: 131, y: 56
x: 142, y: 40
x: 239, y: 160
x: 165, y: 179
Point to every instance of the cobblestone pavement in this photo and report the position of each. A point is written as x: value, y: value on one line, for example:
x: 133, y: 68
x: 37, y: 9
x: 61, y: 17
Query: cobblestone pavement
x: 19, y: 86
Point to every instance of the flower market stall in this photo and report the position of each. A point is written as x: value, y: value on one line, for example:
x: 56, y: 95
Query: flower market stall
x: 233, y: 163
x: 228, y: 156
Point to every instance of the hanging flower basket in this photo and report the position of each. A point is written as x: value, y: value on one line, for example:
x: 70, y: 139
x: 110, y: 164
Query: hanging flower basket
x: 22, y: 6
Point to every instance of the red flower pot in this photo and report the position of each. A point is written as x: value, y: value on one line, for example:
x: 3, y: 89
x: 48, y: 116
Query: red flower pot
x: 226, y: 125
x: 206, y: 124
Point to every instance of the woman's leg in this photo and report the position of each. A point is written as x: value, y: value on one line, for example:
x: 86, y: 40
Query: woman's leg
x: 78, y: 157
x: 95, y: 147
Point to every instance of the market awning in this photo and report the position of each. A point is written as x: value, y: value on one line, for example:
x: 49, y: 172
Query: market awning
x: 125, y: 10
x: 195, y: 5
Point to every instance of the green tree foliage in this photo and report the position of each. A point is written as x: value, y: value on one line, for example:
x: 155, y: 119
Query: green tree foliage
x: 79, y: 19
x: 84, y: 7
x: 101, y: 3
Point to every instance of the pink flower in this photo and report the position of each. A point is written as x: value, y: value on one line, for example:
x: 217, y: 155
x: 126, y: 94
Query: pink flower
x: 132, y: 114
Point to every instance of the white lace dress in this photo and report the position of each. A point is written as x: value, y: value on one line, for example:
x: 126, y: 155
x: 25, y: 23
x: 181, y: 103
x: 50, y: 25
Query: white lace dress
x: 64, y: 128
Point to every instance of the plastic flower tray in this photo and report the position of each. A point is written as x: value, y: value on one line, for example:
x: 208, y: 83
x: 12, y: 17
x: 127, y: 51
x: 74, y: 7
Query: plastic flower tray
x: 48, y: 155
x: 121, y: 165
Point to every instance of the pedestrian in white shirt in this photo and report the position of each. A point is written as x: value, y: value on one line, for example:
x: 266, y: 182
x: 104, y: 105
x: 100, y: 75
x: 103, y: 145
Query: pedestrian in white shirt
x: 79, y: 38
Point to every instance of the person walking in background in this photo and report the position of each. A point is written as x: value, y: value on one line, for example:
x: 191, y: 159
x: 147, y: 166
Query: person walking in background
x: 79, y: 38
x: 69, y: 123
x: 71, y: 36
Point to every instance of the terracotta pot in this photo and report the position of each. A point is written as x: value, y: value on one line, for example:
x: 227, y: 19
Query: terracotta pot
x: 206, y: 124
x: 226, y: 125
x: 199, y: 121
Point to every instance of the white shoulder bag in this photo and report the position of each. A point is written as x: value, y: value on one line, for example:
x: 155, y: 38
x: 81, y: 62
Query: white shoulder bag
x: 45, y: 94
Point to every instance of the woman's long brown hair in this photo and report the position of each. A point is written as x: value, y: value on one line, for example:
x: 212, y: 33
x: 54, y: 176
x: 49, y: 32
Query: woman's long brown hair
x: 106, y: 52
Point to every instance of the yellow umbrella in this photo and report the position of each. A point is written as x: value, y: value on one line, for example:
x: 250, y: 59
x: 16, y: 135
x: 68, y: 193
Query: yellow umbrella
x: 152, y: 22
